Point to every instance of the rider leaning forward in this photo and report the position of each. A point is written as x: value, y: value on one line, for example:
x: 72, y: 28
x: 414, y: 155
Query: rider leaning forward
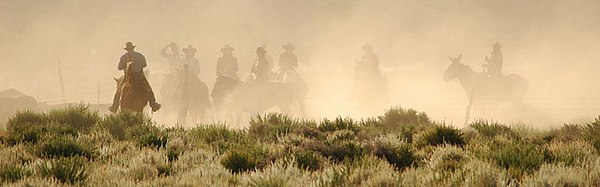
x: 138, y: 64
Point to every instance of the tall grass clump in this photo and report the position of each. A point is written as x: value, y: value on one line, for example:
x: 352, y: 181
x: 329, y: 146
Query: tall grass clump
x: 396, y: 152
x: 79, y: 117
x: 440, y: 135
x: 11, y: 172
x: 308, y: 160
x: 25, y: 127
x: 71, y: 170
x: 219, y: 137
x: 491, y: 129
x: 521, y: 158
x: 270, y: 126
x: 245, y: 159
x: 591, y: 132
x: 62, y: 146
x: 118, y: 124
x: 147, y: 135
x: 339, y: 123
x: 572, y: 153
x: 568, y: 132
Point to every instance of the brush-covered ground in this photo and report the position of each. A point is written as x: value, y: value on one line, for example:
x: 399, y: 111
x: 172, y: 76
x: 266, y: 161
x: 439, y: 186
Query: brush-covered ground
x: 77, y: 146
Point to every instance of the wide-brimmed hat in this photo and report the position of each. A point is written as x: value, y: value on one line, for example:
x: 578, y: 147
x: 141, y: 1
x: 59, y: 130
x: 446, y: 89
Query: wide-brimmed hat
x: 189, y: 49
x: 496, y: 45
x: 129, y: 45
x: 367, y: 46
x: 261, y: 49
x: 227, y: 48
x: 289, y: 46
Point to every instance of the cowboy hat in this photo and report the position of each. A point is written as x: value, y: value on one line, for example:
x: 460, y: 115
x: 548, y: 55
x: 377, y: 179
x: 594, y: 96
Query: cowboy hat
x: 189, y: 49
x: 129, y: 45
x: 227, y: 48
x: 289, y: 45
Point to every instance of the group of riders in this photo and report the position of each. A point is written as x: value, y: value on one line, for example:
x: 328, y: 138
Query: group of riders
x: 367, y: 74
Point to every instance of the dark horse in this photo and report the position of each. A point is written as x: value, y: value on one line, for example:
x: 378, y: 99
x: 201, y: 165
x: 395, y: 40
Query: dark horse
x: 511, y: 87
x: 134, y: 96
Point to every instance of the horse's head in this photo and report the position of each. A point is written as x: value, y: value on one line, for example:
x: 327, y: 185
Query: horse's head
x: 455, y: 68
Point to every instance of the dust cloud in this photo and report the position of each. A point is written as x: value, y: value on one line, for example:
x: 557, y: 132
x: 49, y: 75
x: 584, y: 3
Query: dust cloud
x: 552, y: 44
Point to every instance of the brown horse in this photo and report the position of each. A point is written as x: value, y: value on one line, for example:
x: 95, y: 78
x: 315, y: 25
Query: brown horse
x: 134, y: 96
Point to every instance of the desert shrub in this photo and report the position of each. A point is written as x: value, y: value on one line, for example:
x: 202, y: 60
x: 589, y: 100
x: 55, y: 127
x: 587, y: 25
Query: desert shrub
x: 270, y: 126
x: 397, y: 120
x: 309, y: 131
x: 491, y: 129
x: 79, y: 117
x: 396, y: 152
x: 441, y: 135
x: 482, y: 173
x: 247, y: 158
x: 69, y: 170
x: 339, y: 123
x: 397, y: 116
x: 308, y: 160
x: 117, y: 124
x: 591, y: 132
x: 142, y: 172
x: 11, y: 172
x: 25, y: 118
x: 27, y: 133
x: 344, y: 150
x: 341, y: 135
x: 557, y: 175
x: 219, y: 137
x: 147, y: 135
x: 521, y: 158
x: 62, y: 146
x: 447, y: 158
x: 572, y: 153
x: 568, y: 132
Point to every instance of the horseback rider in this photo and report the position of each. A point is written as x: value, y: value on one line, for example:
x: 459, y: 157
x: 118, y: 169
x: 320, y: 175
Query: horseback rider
x: 262, y: 66
x: 494, y: 62
x: 190, y: 60
x: 171, y: 53
x: 367, y: 67
x: 288, y: 60
x: 227, y: 65
x: 138, y: 62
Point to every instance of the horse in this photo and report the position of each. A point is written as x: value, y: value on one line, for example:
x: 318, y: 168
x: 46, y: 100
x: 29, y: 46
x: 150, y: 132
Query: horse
x: 370, y: 91
x: 191, y: 94
x: 481, y: 86
x: 134, y: 96
x: 236, y: 97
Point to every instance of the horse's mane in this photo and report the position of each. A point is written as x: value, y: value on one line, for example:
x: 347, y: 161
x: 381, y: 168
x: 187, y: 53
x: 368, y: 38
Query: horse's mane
x: 128, y: 72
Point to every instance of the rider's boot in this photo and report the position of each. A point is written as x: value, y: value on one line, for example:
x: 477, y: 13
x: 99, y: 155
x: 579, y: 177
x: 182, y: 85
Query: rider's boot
x: 116, y: 101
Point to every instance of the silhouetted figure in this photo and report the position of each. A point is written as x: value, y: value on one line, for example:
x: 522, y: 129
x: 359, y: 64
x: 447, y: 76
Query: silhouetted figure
x: 262, y: 66
x: 288, y: 60
x: 367, y: 67
x: 190, y: 60
x: 138, y: 63
x: 495, y: 61
x: 227, y: 65
x: 171, y: 53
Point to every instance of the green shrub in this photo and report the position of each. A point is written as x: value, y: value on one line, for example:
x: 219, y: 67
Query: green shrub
x: 26, y: 133
x: 568, y: 132
x: 148, y: 136
x: 491, y: 129
x: 62, y: 146
x: 572, y: 153
x: 442, y: 135
x: 219, y: 137
x: 79, y: 117
x: 338, y: 124
x: 270, y: 126
x: 521, y: 158
x: 118, y: 124
x: 399, y: 154
x: 70, y: 170
x: 308, y: 160
x: 25, y: 118
x: 345, y: 150
x: 238, y: 161
x: 591, y: 132
x: 310, y: 131
x: 447, y: 158
x: 11, y: 172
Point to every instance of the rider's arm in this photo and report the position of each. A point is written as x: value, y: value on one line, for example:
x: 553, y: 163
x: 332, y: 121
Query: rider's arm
x: 143, y: 60
x: 122, y: 63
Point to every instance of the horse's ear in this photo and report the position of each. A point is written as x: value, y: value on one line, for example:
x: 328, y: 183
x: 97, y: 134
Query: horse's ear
x: 460, y: 57
x: 116, y: 80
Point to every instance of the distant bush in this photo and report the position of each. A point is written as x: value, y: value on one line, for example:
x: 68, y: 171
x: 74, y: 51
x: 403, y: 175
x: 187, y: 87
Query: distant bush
x: 29, y: 133
x: 442, y: 135
x: 568, y: 132
x: 399, y: 154
x: 70, y: 170
x: 491, y: 129
x: 62, y: 146
x: 118, y: 124
x: 447, y: 158
x: 79, y: 117
x: 25, y: 127
x: 572, y: 153
x: 344, y: 150
x: 339, y: 123
x: 270, y: 126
